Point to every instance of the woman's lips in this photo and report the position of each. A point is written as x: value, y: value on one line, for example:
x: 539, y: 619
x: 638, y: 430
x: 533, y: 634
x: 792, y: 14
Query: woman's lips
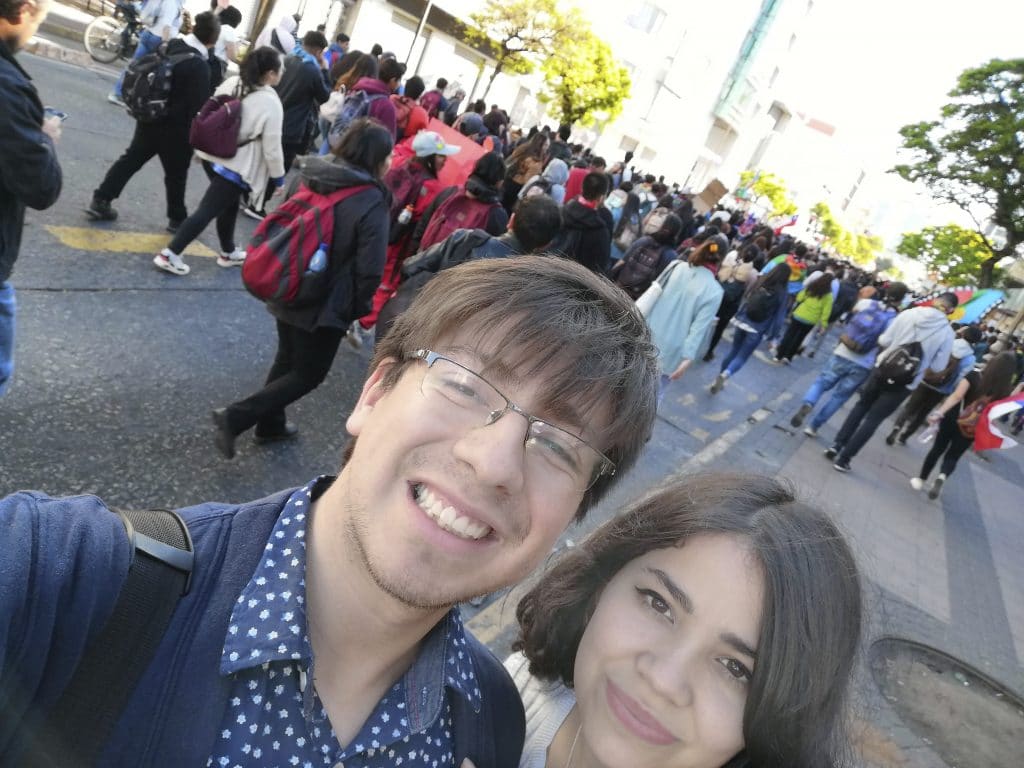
x: 635, y: 718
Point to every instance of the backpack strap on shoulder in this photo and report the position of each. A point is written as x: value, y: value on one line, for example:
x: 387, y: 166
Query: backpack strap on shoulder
x: 160, y: 572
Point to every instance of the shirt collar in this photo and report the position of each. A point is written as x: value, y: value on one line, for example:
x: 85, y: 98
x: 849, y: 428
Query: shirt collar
x: 193, y: 41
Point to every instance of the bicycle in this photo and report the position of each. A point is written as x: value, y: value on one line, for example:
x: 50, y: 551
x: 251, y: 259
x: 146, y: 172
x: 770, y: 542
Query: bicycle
x: 108, y: 38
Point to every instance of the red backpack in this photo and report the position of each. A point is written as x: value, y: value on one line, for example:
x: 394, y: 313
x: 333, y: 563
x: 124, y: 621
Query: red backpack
x: 431, y: 101
x: 277, y: 265
x: 403, y: 108
x: 459, y: 211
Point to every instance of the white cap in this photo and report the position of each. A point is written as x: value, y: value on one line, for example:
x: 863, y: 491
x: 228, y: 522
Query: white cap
x: 429, y: 143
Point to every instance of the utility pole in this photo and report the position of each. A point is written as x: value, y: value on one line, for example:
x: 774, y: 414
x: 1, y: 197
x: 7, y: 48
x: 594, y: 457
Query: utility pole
x: 419, y: 30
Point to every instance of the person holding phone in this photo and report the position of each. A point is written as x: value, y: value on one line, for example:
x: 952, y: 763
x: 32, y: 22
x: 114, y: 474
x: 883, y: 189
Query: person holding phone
x: 30, y: 173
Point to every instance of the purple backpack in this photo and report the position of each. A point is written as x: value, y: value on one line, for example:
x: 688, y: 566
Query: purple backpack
x: 215, y: 129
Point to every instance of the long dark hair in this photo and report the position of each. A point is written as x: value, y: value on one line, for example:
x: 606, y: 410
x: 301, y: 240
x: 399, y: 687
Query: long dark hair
x: 255, y: 65
x: 630, y: 210
x: 365, y: 144
x: 820, y: 286
x: 351, y: 68
x: 811, y: 617
x: 997, y: 376
x: 774, y: 280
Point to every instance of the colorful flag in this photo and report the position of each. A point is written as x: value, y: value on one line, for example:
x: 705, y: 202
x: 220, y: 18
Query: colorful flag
x: 988, y: 434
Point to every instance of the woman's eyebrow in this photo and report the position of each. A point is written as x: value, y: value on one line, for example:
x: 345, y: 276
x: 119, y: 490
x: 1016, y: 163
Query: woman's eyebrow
x: 740, y: 645
x: 673, y: 589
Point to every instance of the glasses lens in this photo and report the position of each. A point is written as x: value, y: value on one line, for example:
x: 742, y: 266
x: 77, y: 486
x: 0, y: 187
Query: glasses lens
x: 463, y: 388
x: 565, y: 453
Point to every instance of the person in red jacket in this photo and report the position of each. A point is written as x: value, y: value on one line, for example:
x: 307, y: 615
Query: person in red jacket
x: 574, y: 186
x: 410, y: 117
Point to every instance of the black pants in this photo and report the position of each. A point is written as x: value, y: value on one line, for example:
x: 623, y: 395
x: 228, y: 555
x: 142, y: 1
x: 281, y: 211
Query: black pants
x: 153, y: 139
x: 922, y: 401
x: 220, y: 202
x: 876, y: 403
x: 792, y: 339
x: 950, y: 444
x: 303, y: 360
x: 726, y: 311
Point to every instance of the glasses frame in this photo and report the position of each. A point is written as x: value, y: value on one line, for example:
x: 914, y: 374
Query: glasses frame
x: 606, y: 465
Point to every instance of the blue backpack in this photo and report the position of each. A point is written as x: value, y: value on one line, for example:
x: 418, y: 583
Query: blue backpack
x: 356, y: 104
x: 865, y: 326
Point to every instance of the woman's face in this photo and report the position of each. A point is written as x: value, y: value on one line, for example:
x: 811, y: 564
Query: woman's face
x: 272, y: 78
x: 439, y: 161
x: 664, y: 665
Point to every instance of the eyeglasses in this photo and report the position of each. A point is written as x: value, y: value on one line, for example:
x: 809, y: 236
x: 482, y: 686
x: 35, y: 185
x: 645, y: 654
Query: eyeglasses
x: 474, y: 402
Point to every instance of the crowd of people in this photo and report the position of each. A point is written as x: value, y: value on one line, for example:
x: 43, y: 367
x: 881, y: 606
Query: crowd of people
x: 526, y: 323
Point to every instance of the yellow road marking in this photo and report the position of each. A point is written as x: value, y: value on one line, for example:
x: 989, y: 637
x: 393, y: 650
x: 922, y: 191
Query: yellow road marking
x: 117, y: 241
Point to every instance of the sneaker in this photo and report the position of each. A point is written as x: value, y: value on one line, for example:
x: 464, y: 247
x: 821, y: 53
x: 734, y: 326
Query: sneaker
x: 916, y: 483
x: 113, y: 98
x: 901, y: 440
x: 100, y: 210
x: 708, y: 357
x: 799, y: 416
x: 233, y: 259
x: 831, y: 452
x: 255, y: 213
x: 357, y: 336
x: 718, y: 383
x: 842, y: 464
x: 224, y: 439
x: 290, y: 432
x: 173, y: 225
x: 171, y: 262
x: 936, y: 489
x: 810, y: 431
x: 890, y: 439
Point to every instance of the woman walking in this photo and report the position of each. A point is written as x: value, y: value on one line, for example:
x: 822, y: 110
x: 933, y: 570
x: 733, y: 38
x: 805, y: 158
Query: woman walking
x: 681, y: 319
x: 525, y: 162
x: 755, y: 316
x: 974, y: 392
x: 308, y: 336
x: 813, y: 307
x: 736, y: 279
x: 259, y: 159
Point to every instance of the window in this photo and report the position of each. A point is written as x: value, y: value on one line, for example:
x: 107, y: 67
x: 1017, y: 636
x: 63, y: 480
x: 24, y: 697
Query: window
x: 647, y: 18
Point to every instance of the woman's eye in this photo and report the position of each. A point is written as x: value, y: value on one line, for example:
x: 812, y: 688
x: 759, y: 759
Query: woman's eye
x: 737, y: 670
x: 655, y: 602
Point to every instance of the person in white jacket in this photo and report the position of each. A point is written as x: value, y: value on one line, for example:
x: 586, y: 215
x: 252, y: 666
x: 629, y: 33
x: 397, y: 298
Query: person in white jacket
x: 259, y: 159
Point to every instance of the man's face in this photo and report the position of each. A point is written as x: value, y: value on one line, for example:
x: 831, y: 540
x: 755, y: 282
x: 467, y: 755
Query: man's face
x: 439, y: 512
x: 32, y: 15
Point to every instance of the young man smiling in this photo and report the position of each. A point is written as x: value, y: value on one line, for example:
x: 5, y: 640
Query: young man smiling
x: 320, y: 625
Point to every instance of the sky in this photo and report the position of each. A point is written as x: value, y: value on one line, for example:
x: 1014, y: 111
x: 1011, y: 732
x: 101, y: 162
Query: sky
x: 871, y: 66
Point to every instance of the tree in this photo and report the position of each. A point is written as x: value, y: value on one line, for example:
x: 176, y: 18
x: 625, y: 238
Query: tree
x: 954, y: 254
x: 767, y: 185
x: 862, y: 248
x: 866, y: 248
x: 517, y: 32
x: 584, y: 80
x: 973, y: 156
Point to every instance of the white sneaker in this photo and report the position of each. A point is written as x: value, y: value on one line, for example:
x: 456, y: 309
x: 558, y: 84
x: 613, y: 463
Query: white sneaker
x: 113, y: 98
x: 233, y: 259
x: 357, y: 336
x: 810, y: 431
x: 171, y: 262
x: 916, y: 483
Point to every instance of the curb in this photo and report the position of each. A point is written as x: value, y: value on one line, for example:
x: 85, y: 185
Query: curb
x: 50, y: 50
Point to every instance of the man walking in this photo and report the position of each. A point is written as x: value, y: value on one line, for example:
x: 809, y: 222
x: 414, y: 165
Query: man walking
x: 167, y: 137
x: 163, y: 20
x: 29, y: 172
x: 918, y: 340
x: 320, y: 625
x: 586, y: 237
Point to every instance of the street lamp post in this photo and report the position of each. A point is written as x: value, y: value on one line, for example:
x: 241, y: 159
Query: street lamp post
x: 419, y: 30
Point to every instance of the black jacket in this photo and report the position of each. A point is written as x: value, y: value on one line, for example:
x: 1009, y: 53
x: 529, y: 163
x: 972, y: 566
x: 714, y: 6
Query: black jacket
x: 191, y: 85
x: 29, y: 172
x: 303, y: 86
x: 358, y: 246
x: 585, y: 237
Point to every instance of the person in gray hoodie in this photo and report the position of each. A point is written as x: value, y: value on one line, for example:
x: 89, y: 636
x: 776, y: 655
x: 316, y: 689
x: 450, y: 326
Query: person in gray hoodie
x: 927, y: 326
x: 551, y: 182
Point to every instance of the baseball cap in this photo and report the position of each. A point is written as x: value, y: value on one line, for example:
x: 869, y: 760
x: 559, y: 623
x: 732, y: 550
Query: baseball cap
x: 471, y: 124
x: 429, y: 143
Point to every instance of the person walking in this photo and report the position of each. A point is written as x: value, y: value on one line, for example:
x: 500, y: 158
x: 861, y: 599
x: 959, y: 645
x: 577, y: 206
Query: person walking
x: 853, y: 358
x: 756, y: 314
x: 30, y: 174
x: 162, y: 20
x: 736, y: 279
x: 648, y: 257
x: 918, y: 339
x: 813, y: 308
x: 682, y: 317
x: 166, y: 138
x: 258, y: 160
x: 308, y: 336
x: 525, y: 162
x: 586, y: 237
x: 964, y: 404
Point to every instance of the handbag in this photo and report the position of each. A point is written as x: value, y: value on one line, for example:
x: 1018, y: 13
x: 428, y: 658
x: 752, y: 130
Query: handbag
x: 645, y: 304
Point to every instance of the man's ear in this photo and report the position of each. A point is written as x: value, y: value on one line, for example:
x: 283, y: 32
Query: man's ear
x: 373, y: 391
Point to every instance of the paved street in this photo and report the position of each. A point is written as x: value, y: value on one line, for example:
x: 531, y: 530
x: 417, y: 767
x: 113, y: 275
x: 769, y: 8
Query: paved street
x: 118, y: 366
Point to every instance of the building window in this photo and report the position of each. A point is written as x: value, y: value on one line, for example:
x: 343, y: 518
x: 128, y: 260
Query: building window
x: 647, y: 18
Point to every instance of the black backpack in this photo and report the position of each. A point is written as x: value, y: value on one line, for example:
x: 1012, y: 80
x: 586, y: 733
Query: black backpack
x: 898, y: 368
x: 732, y: 291
x: 146, y: 90
x: 760, y: 304
x: 639, y: 268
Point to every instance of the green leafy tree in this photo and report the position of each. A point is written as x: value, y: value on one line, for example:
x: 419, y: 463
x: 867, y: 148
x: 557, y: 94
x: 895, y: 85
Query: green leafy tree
x: 828, y: 226
x: 518, y: 33
x: 866, y: 248
x: 584, y: 81
x: 862, y: 248
x: 954, y: 255
x: 973, y: 156
x: 756, y: 184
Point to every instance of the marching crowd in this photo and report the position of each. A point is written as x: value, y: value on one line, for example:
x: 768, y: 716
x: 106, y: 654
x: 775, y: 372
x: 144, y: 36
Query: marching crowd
x: 526, y: 322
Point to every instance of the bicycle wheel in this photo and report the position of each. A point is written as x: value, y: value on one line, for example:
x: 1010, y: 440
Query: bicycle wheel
x: 103, y: 39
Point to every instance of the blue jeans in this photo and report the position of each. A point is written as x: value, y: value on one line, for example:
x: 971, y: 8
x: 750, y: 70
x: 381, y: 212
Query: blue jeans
x: 7, y: 307
x: 843, y: 377
x: 743, y: 345
x: 148, y: 42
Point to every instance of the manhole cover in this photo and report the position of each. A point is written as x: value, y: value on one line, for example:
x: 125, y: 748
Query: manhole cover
x: 966, y: 718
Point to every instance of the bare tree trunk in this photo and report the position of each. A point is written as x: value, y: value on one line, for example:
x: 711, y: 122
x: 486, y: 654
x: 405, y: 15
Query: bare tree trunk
x: 987, y: 268
x: 497, y: 71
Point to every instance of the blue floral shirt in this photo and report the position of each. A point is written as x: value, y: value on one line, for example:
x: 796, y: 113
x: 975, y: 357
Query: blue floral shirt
x: 274, y: 716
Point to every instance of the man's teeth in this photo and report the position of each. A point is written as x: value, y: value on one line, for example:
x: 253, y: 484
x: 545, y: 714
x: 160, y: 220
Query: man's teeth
x: 447, y: 517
